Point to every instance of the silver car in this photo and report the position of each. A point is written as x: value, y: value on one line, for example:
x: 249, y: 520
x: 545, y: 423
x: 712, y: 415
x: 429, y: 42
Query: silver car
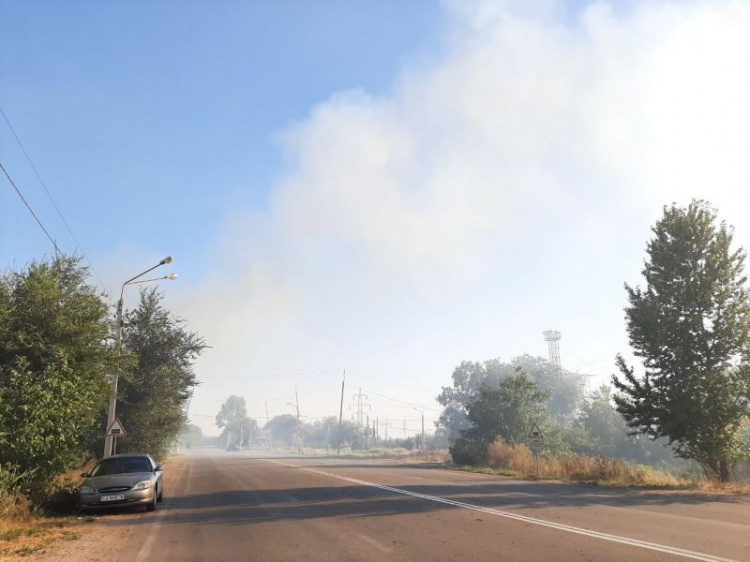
x: 123, y: 480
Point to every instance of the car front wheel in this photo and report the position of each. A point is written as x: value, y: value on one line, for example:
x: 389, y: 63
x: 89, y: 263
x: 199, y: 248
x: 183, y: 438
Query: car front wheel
x: 151, y: 506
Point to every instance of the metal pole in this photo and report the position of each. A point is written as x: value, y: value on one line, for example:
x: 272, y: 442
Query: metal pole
x: 299, y: 427
x: 424, y: 448
x: 111, y: 413
x: 341, y: 414
x: 268, y: 431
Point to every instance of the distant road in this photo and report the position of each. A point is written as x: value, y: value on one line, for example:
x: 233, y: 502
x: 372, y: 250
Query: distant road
x: 244, y: 506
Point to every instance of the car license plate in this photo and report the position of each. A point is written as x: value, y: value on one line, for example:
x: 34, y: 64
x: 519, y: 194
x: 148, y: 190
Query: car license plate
x: 112, y: 498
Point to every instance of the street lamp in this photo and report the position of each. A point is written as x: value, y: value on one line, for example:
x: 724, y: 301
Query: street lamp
x: 111, y: 413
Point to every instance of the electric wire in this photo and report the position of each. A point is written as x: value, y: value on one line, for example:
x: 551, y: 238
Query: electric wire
x: 33, y: 214
x: 49, y: 196
x: 394, y: 399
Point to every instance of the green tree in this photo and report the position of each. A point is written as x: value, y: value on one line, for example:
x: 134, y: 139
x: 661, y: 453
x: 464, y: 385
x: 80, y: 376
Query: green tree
x: 54, y: 362
x: 563, y: 389
x: 690, y: 327
x: 152, y: 395
x: 600, y: 419
x: 190, y: 436
x: 232, y: 418
x: 508, y: 411
x: 283, y: 428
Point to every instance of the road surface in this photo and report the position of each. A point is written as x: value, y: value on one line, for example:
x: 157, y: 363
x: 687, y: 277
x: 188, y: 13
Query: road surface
x: 274, y: 507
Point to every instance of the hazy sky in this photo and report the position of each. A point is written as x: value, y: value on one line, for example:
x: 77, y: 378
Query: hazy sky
x: 382, y: 187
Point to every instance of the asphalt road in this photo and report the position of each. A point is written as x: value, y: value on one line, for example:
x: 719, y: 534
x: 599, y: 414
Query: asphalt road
x: 245, y: 506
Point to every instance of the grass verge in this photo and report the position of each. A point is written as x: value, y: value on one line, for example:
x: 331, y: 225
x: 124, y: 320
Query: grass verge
x: 518, y: 461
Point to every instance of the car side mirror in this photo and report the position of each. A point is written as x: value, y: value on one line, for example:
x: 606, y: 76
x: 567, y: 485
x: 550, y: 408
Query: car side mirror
x: 158, y: 468
x: 85, y: 475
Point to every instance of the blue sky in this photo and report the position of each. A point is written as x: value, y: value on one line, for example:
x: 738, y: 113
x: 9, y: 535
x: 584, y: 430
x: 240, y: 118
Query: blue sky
x: 383, y: 187
x: 149, y: 121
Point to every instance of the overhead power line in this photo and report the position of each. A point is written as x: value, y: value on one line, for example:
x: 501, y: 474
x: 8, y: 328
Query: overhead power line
x: 33, y: 214
x: 49, y: 196
x: 394, y: 399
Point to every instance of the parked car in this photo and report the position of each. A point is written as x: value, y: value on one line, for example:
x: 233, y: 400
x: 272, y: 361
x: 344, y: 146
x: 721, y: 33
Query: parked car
x: 123, y: 480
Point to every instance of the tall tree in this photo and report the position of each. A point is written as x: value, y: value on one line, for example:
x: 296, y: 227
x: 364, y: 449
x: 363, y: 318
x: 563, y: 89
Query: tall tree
x: 153, y: 394
x: 232, y: 418
x: 54, y: 359
x: 563, y: 389
x: 690, y: 327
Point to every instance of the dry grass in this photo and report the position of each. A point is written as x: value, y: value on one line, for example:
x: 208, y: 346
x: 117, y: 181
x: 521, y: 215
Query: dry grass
x: 579, y: 468
x: 23, y: 532
x: 384, y: 453
x: 21, y: 538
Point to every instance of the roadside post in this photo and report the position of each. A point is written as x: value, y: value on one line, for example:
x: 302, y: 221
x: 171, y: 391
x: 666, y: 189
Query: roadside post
x: 114, y: 431
x: 536, y: 444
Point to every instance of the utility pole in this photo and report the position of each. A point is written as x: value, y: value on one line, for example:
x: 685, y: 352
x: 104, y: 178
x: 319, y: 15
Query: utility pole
x: 341, y: 414
x: 386, y: 428
x: 361, y: 403
x: 374, y: 434
x: 367, y: 434
x: 424, y: 444
x: 112, y: 410
x: 268, y: 431
x: 299, y: 426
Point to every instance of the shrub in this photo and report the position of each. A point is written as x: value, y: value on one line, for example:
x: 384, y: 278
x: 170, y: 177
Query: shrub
x: 468, y: 451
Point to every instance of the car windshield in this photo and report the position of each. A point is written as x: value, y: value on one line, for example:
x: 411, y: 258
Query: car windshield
x: 121, y: 466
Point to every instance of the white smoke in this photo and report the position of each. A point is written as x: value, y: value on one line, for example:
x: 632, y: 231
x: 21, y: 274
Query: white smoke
x: 504, y: 187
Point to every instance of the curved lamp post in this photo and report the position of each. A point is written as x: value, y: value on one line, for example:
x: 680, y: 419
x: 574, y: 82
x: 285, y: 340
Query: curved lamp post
x: 112, y: 412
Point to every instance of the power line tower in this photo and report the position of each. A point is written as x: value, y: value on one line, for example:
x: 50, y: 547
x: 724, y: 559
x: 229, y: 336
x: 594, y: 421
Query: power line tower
x: 361, y: 403
x: 553, y: 337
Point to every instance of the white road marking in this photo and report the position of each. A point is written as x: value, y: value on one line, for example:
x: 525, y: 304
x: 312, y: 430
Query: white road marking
x: 148, y: 544
x: 557, y: 526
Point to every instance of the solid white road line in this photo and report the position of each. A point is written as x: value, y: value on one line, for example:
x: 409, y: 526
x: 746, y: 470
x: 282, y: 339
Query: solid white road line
x: 557, y: 526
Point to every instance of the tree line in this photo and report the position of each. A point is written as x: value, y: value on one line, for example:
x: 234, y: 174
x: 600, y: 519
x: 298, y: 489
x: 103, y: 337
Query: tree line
x: 688, y: 394
x: 57, y: 357
x: 238, y: 430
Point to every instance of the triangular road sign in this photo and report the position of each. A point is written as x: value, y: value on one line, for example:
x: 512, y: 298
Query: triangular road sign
x: 115, y: 429
x: 535, y: 431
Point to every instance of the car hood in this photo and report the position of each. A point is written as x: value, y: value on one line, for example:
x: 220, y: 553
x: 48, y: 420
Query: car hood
x: 130, y: 479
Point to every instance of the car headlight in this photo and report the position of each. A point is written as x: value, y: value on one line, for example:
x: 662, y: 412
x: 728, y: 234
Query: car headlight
x: 87, y: 490
x: 145, y: 485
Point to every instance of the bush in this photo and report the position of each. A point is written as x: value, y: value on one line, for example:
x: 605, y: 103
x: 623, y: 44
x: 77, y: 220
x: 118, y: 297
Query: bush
x: 468, y: 451
x: 61, y: 497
